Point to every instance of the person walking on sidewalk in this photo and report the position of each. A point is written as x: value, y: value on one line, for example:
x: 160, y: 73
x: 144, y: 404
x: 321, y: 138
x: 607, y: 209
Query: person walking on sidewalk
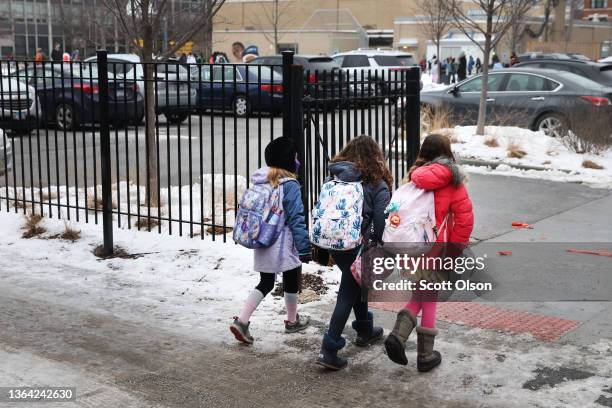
x: 436, y: 170
x: 361, y: 160
x: 291, y: 248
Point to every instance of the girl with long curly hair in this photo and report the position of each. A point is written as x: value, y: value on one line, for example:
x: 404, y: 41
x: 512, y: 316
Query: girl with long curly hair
x: 360, y: 160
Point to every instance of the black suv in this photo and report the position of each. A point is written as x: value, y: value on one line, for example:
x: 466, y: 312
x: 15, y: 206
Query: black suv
x: 595, y: 71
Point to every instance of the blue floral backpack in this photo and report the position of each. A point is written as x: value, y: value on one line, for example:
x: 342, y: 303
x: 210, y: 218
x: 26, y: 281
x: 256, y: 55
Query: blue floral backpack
x: 260, y: 217
x: 338, y: 215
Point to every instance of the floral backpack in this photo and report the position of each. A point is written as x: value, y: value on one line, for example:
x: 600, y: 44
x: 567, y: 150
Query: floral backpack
x: 338, y: 215
x: 260, y: 217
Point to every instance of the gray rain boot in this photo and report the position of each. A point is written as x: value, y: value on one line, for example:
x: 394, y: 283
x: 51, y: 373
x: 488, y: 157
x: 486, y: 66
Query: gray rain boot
x: 427, y: 357
x: 328, y: 356
x: 396, y: 340
x: 241, y: 331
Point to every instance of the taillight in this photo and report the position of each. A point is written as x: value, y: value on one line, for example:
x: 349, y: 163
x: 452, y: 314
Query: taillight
x: 597, y: 100
x: 271, y: 88
x: 312, y: 79
x: 136, y: 88
x: 87, y: 88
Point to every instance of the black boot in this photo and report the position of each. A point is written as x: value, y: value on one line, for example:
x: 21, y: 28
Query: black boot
x: 396, y: 340
x: 367, y: 333
x: 427, y: 357
x: 328, y: 356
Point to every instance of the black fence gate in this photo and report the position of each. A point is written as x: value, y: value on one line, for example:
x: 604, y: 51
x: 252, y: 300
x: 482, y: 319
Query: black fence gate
x: 78, y: 143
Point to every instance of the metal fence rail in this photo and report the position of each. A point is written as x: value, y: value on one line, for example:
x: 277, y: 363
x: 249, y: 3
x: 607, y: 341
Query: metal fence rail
x: 78, y: 138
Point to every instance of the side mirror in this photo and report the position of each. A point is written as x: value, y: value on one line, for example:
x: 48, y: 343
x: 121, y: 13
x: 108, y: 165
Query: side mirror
x: 454, y: 90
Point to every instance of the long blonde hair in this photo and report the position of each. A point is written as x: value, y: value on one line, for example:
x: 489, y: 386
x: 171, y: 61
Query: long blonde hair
x: 275, y: 175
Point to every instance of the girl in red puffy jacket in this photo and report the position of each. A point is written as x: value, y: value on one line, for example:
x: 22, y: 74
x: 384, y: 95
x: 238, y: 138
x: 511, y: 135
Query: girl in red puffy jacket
x: 436, y: 170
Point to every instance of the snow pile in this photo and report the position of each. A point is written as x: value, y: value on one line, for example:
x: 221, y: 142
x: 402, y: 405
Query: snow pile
x: 200, y: 203
x: 428, y: 85
x: 549, y: 158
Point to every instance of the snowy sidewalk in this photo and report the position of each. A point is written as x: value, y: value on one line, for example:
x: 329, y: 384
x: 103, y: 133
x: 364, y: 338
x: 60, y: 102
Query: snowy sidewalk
x: 154, y: 326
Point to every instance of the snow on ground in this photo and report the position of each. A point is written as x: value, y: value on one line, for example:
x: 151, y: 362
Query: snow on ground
x: 204, y: 199
x: 556, y: 162
x: 430, y: 86
x: 194, y: 287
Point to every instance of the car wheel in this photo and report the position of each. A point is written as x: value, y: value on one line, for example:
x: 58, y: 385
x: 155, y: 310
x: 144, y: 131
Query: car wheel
x: 176, y: 118
x: 553, y: 125
x: 65, y: 117
x: 241, y: 106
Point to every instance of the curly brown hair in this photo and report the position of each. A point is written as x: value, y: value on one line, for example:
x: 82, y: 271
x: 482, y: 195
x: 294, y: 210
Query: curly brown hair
x: 365, y: 153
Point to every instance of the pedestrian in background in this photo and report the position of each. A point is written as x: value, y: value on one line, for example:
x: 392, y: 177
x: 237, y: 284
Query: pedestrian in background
x: 360, y: 161
x: 496, y: 63
x: 39, y: 57
x: 56, y: 54
x: 462, y: 68
x: 470, y: 65
x: 436, y: 170
x: 435, y: 70
x: 478, y: 65
x: 291, y: 248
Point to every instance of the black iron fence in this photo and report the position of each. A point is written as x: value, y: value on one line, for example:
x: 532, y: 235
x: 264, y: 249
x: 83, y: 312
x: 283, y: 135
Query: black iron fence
x: 171, y: 147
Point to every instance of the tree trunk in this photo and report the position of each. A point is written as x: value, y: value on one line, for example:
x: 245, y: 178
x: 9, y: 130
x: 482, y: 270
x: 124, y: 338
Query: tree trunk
x: 152, y: 184
x: 482, y: 108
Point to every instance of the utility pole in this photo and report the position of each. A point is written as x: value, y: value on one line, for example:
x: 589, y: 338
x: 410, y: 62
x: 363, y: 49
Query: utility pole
x: 49, y: 27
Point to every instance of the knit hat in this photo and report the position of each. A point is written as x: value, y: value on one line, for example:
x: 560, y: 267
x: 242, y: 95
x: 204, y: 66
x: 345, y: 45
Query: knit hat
x: 280, y: 153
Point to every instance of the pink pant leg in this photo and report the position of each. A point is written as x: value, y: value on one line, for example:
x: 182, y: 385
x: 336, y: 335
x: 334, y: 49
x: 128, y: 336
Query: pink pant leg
x: 428, y: 307
x: 414, y: 305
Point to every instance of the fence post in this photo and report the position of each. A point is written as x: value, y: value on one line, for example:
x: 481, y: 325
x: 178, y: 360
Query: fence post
x: 413, y: 114
x: 105, y: 152
x: 296, y: 128
x: 287, y: 63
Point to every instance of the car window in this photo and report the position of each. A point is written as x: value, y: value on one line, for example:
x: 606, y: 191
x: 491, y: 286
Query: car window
x: 393, y: 60
x: 529, y: 83
x: 226, y: 73
x: 607, y: 72
x: 355, y: 61
x: 339, y: 59
x: 266, y: 74
x: 475, y: 85
x: 321, y: 64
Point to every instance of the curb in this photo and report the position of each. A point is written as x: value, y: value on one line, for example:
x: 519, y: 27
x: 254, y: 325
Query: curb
x: 495, y: 164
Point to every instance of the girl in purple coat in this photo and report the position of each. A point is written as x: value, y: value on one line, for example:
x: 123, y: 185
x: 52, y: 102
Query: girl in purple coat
x: 290, y: 249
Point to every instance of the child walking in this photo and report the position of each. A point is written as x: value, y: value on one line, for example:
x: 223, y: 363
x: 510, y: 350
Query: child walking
x: 291, y: 248
x: 435, y: 170
x: 361, y: 160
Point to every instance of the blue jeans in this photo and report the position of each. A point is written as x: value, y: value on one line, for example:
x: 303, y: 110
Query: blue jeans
x: 349, y: 295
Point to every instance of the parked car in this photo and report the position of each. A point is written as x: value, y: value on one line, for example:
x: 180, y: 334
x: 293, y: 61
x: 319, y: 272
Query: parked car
x: 69, y: 101
x: 539, y: 99
x: 18, y: 105
x: 174, y: 97
x: 6, y: 153
x: 595, y: 71
x: 322, y: 75
x: 241, y: 88
x: 375, y: 64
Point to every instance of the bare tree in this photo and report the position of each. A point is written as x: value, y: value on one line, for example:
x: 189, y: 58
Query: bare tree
x: 499, y: 16
x: 274, y: 13
x: 436, y: 20
x: 143, y: 21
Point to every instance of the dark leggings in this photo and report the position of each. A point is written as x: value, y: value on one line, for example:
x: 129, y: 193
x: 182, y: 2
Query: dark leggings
x: 290, y: 281
x: 349, y: 295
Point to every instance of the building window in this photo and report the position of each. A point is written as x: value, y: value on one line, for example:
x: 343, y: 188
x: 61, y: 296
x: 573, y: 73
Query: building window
x: 599, y: 4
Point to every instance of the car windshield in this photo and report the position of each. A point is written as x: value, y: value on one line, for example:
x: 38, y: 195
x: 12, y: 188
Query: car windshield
x: 393, y: 60
x: 266, y: 73
x: 321, y: 64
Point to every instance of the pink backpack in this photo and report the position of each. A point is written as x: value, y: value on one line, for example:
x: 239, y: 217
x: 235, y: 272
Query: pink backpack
x: 411, y: 220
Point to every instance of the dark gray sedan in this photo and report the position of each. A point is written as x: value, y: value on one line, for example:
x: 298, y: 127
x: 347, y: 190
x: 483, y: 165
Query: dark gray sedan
x: 541, y: 99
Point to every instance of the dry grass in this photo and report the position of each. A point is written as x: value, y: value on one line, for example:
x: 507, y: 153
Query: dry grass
x: 491, y: 141
x: 32, y: 226
x: 146, y: 223
x: 95, y: 203
x: 217, y: 229
x: 46, y: 196
x: 434, y: 119
x: 70, y: 234
x: 515, y: 151
x: 589, y: 164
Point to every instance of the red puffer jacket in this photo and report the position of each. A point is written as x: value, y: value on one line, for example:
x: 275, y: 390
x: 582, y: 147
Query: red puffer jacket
x: 450, y: 196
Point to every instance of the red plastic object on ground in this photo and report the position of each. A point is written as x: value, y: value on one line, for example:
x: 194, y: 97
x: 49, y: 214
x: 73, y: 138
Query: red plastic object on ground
x: 517, y: 224
x: 598, y: 252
